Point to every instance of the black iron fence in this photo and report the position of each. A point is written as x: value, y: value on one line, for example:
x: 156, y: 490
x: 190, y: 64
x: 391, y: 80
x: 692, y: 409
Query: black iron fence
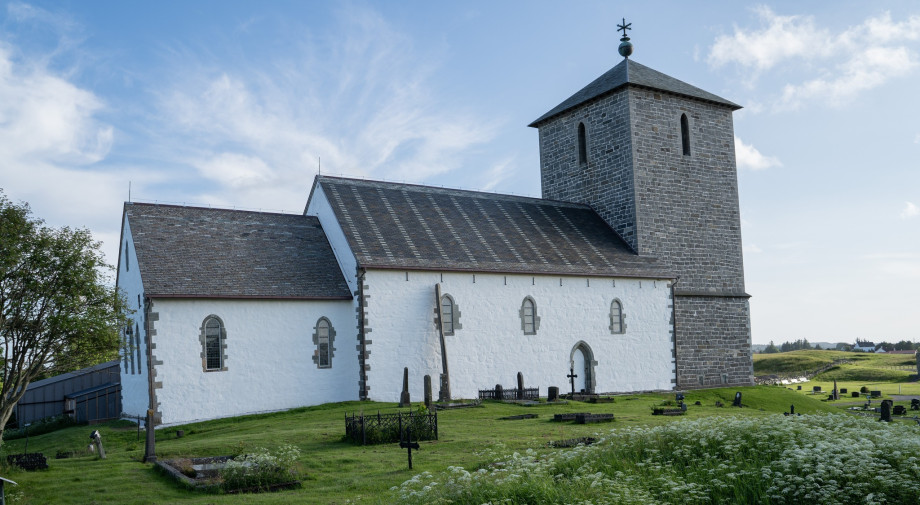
x: 390, y: 428
x: 510, y: 394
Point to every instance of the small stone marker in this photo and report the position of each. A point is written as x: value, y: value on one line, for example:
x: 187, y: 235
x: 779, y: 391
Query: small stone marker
x: 899, y: 410
x: 855, y: 394
x: 404, y: 400
x: 875, y: 394
x: 792, y: 409
x: 886, y: 411
x: 816, y: 389
x: 408, y: 445
x: 799, y: 387
x: 552, y: 394
x: 737, y: 402
x: 499, y: 392
x: 97, y: 440
x: 427, y: 391
x: 520, y: 389
x: 834, y: 393
x: 843, y: 391
x: 915, y: 404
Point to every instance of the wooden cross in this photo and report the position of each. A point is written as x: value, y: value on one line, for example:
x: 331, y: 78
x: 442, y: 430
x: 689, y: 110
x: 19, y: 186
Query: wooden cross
x: 571, y: 377
x: 408, y: 445
x: 625, y: 26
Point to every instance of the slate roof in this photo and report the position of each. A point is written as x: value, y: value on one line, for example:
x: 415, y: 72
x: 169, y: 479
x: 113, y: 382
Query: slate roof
x: 628, y: 72
x: 219, y: 253
x: 404, y: 226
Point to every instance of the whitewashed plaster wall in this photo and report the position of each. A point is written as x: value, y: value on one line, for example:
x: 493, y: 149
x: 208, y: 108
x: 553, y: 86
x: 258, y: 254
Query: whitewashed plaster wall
x: 134, y: 392
x: 319, y: 206
x: 491, y: 347
x: 269, y: 357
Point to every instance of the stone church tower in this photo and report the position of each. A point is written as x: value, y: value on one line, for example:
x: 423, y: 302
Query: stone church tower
x: 655, y: 157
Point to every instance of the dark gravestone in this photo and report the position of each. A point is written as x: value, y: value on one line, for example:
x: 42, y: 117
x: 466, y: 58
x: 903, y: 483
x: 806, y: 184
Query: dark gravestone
x: 593, y: 418
x: 899, y: 410
x: 427, y: 391
x: 886, y: 411
x: 499, y: 392
x: 798, y: 388
x: 843, y: 391
x: 855, y: 394
x: 915, y: 404
x: 834, y: 394
x: 792, y: 409
x: 737, y: 402
x: 520, y: 388
x: 875, y: 394
x: 552, y: 394
x: 572, y: 377
x: 404, y: 400
x: 816, y: 389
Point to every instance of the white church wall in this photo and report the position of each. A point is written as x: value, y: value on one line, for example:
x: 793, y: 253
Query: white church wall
x: 490, y: 347
x: 134, y: 392
x: 269, y: 365
x: 319, y: 206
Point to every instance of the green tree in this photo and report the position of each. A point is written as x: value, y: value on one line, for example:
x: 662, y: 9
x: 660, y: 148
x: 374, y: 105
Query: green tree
x: 57, y: 312
x: 771, y: 349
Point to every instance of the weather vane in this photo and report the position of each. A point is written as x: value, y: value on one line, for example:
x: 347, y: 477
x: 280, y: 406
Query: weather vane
x: 626, y: 47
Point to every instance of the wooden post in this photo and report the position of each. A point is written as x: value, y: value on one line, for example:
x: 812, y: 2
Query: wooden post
x: 444, y: 393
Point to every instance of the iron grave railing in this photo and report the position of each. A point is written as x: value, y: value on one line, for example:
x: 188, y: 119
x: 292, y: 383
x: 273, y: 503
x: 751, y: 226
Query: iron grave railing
x: 390, y: 428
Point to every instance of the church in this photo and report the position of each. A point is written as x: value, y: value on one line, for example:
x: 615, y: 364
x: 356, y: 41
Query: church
x: 627, y: 273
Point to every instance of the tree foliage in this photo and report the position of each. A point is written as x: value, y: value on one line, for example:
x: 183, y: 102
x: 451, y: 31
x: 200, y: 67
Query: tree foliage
x: 57, y: 312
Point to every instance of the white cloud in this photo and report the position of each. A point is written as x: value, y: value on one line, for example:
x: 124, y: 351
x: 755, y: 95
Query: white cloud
x: 838, y: 66
x: 909, y: 211
x: 748, y: 157
x: 364, y: 106
x: 751, y: 249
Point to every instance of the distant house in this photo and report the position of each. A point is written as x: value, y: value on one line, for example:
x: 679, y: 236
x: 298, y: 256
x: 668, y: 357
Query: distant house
x: 864, y: 346
x: 87, y: 395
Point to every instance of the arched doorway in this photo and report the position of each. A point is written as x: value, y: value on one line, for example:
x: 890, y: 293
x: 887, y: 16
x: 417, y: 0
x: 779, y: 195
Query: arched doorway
x: 583, y: 363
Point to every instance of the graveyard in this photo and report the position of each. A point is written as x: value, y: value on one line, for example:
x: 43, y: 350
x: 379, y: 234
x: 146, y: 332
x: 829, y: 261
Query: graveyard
x: 334, y: 470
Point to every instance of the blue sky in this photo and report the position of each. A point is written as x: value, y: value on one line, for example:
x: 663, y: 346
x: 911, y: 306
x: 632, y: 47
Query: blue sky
x: 233, y: 103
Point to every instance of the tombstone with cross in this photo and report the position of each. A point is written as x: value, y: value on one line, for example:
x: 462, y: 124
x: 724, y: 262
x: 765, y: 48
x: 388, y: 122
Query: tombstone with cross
x: 408, y: 445
x: 572, y: 377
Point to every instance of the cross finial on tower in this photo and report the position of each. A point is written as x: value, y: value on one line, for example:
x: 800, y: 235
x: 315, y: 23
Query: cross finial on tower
x: 625, y: 26
x: 626, y: 47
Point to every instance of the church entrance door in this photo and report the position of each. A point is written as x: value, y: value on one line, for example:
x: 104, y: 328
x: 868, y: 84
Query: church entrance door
x: 578, y: 364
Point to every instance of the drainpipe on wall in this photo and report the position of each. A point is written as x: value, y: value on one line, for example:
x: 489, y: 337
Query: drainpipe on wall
x: 674, y: 328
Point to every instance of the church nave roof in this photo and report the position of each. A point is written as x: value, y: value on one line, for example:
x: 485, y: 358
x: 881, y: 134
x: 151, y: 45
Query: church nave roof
x: 392, y: 225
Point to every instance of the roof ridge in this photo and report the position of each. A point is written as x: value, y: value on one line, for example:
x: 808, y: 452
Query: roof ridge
x: 452, y: 191
x: 210, y: 208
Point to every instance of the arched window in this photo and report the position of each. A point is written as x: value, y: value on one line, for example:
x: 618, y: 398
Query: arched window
x: 616, y: 317
x: 213, y: 344
x: 127, y: 260
x: 126, y: 346
x: 530, y: 321
x: 582, y: 144
x: 137, y: 345
x: 450, y: 315
x: 685, y: 134
x: 323, y: 338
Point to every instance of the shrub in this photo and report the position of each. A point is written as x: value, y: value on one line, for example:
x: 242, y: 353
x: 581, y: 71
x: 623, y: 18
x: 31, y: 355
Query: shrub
x: 864, y: 389
x: 261, y: 470
x: 42, y: 426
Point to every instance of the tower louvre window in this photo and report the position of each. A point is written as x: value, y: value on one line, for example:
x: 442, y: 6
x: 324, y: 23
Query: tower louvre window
x: 685, y: 134
x: 582, y: 144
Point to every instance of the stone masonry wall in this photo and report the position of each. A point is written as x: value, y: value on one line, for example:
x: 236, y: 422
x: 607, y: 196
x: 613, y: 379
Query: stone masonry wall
x: 607, y: 175
x: 714, y: 342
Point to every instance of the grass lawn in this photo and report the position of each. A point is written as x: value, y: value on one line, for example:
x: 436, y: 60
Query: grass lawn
x: 337, y: 471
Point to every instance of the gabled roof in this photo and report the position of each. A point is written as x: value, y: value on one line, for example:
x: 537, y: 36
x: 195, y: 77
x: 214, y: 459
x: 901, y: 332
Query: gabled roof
x: 628, y: 72
x: 219, y: 253
x: 404, y: 226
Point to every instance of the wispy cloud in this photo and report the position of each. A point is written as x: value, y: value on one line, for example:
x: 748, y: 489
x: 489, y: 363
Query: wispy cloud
x: 748, y: 157
x: 909, y: 211
x: 365, y: 106
x: 840, y: 64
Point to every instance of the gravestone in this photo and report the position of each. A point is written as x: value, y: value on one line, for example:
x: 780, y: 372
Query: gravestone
x: 915, y: 404
x: 875, y: 394
x: 816, y: 389
x: 552, y: 394
x: 834, y: 393
x: 843, y: 391
x: 737, y: 402
x: 520, y: 389
x: 427, y: 391
x: 792, y: 409
x: 899, y: 410
x: 404, y: 400
x: 886, y: 411
x: 97, y: 440
x: 799, y: 387
x: 855, y: 394
x: 572, y: 377
x: 499, y: 392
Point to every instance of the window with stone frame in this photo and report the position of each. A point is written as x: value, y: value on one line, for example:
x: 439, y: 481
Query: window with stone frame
x: 213, y: 339
x: 685, y: 134
x: 530, y: 321
x: 582, y: 144
x: 450, y: 315
x: 617, y: 326
x: 127, y: 260
x: 323, y: 339
x: 137, y: 345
